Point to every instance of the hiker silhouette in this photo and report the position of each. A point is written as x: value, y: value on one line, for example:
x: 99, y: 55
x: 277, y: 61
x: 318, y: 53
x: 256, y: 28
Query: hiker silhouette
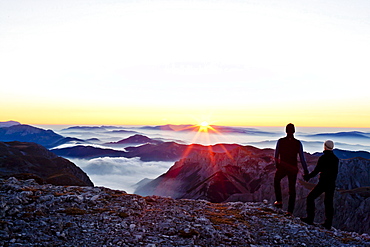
x: 327, y: 166
x: 287, y: 150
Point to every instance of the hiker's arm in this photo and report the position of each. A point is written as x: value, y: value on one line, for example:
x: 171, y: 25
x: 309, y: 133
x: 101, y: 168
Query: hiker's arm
x: 316, y: 170
x: 303, y: 160
x: 277, y: 153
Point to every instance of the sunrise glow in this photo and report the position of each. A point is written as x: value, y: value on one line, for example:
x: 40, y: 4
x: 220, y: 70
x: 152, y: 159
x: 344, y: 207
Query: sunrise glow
x: 204, y: 127
x: 204, y: 124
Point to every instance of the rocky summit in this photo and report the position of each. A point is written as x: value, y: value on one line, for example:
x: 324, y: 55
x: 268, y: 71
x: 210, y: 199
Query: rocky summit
x: 50, y: 215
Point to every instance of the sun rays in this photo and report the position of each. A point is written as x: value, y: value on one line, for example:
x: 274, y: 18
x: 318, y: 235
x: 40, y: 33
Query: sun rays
x: 204, y: 132
x: 205, y: 127
x: 211, y: 155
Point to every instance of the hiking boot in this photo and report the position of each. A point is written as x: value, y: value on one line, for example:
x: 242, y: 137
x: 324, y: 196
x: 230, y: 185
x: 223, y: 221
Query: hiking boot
x: 326, y: 226
x: 278, y: 204
x: 307, y: 221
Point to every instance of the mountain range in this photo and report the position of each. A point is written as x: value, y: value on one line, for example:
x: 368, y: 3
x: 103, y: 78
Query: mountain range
x: 148, y: 149
x: 346, y: 154
x: 211, y: 129
x: 109, y: 129
x: 349, y: 134
x: 153, y: 150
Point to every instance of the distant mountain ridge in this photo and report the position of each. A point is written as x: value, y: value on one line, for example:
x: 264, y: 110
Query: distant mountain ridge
x: 8, y: 123
x: 86, y: 128
x: 346, y: 154
x: 212, y: 129
x: 87, y: 152
x: 28, y: 133
x: 136, y: 139
x: 155, y: 151
x: 349, y: 134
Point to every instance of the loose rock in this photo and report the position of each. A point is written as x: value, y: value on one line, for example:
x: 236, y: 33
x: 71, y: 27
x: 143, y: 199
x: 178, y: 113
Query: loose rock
x: 46, y: 215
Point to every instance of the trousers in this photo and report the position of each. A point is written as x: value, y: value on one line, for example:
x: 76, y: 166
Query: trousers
x: 292, y: 178
x: 320, y: 188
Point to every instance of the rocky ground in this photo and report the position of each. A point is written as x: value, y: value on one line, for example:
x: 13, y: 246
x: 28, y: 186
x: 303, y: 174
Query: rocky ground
x: 48, y: 215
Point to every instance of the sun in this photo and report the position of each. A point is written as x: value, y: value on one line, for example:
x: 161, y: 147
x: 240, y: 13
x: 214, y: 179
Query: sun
x: 204, y: 126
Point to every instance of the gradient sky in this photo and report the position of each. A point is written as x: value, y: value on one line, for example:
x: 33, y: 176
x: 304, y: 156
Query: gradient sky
x: 255, y: 63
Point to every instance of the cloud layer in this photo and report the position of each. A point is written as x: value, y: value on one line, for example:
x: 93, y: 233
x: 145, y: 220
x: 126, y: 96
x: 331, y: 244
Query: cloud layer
x: 121, y: 173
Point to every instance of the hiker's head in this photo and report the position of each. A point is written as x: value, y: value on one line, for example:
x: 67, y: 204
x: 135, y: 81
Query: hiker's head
x: 289, y: 129
x: 328, y: 145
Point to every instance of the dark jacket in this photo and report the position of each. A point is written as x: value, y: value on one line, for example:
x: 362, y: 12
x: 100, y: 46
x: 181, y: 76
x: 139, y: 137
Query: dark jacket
x: 287, y: 150
x: 327, y: 166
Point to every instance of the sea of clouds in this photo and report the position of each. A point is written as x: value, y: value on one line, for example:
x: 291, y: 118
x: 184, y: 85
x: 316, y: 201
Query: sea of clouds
x: 121, y: 173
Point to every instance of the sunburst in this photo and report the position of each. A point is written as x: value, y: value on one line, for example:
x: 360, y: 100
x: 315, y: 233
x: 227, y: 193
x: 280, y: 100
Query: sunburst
x: 204, y: 127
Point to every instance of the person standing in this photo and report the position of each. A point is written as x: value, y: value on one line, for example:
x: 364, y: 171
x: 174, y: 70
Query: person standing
x: 327, y: 166
x: 287, y: 150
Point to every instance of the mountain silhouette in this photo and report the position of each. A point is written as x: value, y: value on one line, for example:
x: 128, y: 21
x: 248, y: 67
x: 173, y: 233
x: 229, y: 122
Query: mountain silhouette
x: 88, y: 152
x: 8, y: 123
x: 30, y: 160
x: 27, y: 133
x: 136, y: 139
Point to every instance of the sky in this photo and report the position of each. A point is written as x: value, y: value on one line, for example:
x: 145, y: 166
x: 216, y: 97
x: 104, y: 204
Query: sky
x: 227, y: 62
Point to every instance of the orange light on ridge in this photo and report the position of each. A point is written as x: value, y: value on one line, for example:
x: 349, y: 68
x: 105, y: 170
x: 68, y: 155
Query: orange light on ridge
x: 203, y: 129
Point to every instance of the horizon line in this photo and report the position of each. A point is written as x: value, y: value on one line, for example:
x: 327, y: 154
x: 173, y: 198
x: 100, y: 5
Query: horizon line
x: 154, y: 124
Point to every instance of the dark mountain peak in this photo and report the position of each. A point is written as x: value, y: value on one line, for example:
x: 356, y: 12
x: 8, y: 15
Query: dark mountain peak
x: 8, y: 123
x: 93, y: 140
x: 136, y: 139
x: 20, y: 159
x: 25, y: 148
x: 123, y: 131
x: 88, y: 152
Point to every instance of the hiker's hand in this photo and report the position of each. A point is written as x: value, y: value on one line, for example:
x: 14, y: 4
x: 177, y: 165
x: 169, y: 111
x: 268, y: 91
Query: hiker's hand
x: 306, y: 177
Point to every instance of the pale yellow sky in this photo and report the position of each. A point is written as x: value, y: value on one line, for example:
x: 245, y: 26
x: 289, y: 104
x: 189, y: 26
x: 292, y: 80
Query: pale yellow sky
x: 156, y: 62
